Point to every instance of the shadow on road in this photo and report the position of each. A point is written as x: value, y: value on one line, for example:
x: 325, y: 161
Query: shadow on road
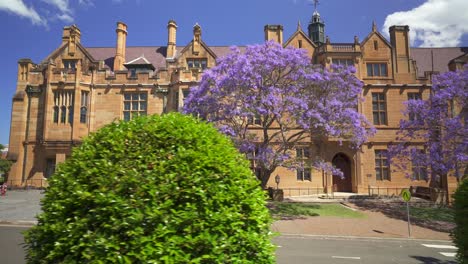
x: 430, y: 260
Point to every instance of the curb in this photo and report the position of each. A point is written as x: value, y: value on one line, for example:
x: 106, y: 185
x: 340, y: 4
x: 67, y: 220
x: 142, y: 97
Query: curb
x: 362, y: 238
x: 20, y: 223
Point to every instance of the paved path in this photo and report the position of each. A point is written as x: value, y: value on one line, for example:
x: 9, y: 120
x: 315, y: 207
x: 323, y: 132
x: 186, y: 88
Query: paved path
x: 20, y: 207
x: 374, y: 225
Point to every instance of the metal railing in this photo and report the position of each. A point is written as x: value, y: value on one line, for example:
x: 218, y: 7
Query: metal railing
x: 385, y: 191
x: 303, y: 191
x: 28, y: 184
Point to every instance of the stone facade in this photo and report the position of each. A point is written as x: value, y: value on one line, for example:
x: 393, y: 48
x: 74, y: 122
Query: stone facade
x: 76, y: 90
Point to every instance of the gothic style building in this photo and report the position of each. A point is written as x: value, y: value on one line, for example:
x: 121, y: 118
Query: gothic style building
x: 77, y: 89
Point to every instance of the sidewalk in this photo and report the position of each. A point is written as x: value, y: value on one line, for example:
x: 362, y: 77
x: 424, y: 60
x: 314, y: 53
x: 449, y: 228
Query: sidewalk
x: 20, y: 207
x: 375, y: 224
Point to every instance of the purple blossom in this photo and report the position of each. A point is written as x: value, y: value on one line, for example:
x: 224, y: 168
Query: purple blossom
x: 286, y: 98
x: 439, y: 123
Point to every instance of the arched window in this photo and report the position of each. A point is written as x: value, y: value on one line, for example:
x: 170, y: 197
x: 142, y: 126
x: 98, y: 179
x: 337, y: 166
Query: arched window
x: 63, y: 114
x: 83, y: 113
x: 70, y: 114
x: 56, y: 114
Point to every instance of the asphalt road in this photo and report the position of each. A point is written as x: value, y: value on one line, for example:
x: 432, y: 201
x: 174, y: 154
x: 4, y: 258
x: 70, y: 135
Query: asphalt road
x: 302, y: 249
x: 11, y: 248
x: 331, y: 250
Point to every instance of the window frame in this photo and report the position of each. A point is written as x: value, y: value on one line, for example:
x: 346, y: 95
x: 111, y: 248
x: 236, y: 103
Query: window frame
x: 132, y: 111
x: 418, y: 171
x: 197, y: 63
x: 343, y: 62
x: 413, y: 96
x: 379, y: 108
x: 303, y: 155
x: 377, y: 69
x: 382, y: 165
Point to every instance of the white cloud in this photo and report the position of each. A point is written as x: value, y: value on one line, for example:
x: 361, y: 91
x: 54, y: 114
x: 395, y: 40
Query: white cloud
x: 435, y: 23
x: 65, y: 18
x: 19, y: 8
x: 86, y: 2
x: 61, y: 5
x: 66, y: 13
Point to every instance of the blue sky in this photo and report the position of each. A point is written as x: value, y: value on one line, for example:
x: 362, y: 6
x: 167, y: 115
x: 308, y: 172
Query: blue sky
x: 32, y: 29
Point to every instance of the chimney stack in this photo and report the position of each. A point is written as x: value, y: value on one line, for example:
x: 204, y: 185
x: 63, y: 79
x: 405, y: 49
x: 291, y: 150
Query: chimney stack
x: 171, y: 39
x: 399, y: 38
x: 72, y: 36
x: 196, y: 39
x: 119, y: 59
x: 274, y: 32
x: 71, y: 32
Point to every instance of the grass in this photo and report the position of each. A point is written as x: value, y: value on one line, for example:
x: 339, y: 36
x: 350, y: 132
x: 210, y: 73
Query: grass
x: 431, y: 213
x: 287, y: 210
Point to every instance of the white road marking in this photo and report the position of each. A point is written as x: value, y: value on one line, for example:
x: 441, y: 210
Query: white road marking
x: 448, y: 254
x: 439, y: 246
x: 341, y: 257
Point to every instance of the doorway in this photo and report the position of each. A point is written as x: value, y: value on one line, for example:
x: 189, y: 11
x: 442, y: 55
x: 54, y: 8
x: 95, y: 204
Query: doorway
x: 342, y: 162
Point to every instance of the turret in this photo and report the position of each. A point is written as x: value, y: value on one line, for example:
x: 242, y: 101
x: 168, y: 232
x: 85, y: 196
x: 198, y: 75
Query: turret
x: 316, y: 29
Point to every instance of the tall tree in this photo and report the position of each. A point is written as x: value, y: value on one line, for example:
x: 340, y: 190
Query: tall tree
x: 5, y: 166
x: 271, y: 99
x: 434, y: 137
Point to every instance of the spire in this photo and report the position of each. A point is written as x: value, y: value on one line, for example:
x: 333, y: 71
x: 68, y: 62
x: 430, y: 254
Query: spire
x: 374, y: 26
x: 316, y: 3
x: 299, y: 27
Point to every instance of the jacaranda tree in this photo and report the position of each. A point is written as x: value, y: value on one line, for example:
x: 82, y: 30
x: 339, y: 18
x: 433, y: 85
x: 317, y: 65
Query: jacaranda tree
x: 439, y: 125
x: 269, y: 99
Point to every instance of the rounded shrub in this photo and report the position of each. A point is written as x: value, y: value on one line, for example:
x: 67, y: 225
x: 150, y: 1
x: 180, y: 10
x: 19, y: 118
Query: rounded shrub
x: 460, y: 233
x: 167, y: 189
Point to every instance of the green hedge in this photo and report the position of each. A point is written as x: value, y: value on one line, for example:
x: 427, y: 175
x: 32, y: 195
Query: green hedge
x: 155, y: 189
x: 460, y: 233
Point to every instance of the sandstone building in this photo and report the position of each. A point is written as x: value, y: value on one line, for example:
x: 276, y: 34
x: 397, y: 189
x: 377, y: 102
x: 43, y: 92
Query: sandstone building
x: 78, y: 89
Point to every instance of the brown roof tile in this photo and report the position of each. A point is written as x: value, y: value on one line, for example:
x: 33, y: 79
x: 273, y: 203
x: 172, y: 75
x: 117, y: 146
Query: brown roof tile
x: 155, y: 55
x: 435, y: 58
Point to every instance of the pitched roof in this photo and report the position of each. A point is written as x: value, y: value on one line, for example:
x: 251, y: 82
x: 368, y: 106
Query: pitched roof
x: 155, y: 55
x: 435, y: 59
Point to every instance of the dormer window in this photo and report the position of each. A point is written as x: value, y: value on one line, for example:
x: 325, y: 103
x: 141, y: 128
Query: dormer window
x: 69, y: 64
x: 377, y: 70
x: 197, y: 63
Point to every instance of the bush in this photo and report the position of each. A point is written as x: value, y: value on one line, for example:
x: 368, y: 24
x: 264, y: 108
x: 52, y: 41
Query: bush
x: 155, y: 189
x: 460, y: 233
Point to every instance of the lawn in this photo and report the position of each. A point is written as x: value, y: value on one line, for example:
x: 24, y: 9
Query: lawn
x: 288, y: 210
x: 431, y: 213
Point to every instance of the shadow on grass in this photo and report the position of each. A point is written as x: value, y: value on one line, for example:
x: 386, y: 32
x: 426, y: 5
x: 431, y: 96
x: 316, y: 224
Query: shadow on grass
x: 427, y: 216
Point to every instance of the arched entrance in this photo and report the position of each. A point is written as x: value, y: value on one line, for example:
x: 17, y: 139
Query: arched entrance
x: 342, y: 162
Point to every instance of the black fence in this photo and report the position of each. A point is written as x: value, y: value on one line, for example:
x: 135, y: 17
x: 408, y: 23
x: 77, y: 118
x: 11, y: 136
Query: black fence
x: 28, y: 184
x: 303, y: 191
x: 385, y: 191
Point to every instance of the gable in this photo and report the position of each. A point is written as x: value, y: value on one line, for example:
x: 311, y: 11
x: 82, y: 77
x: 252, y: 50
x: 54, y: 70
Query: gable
x: 79, y: 54
x: 300, y: 40
x: 204, y: 52
x: 376, y: 46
